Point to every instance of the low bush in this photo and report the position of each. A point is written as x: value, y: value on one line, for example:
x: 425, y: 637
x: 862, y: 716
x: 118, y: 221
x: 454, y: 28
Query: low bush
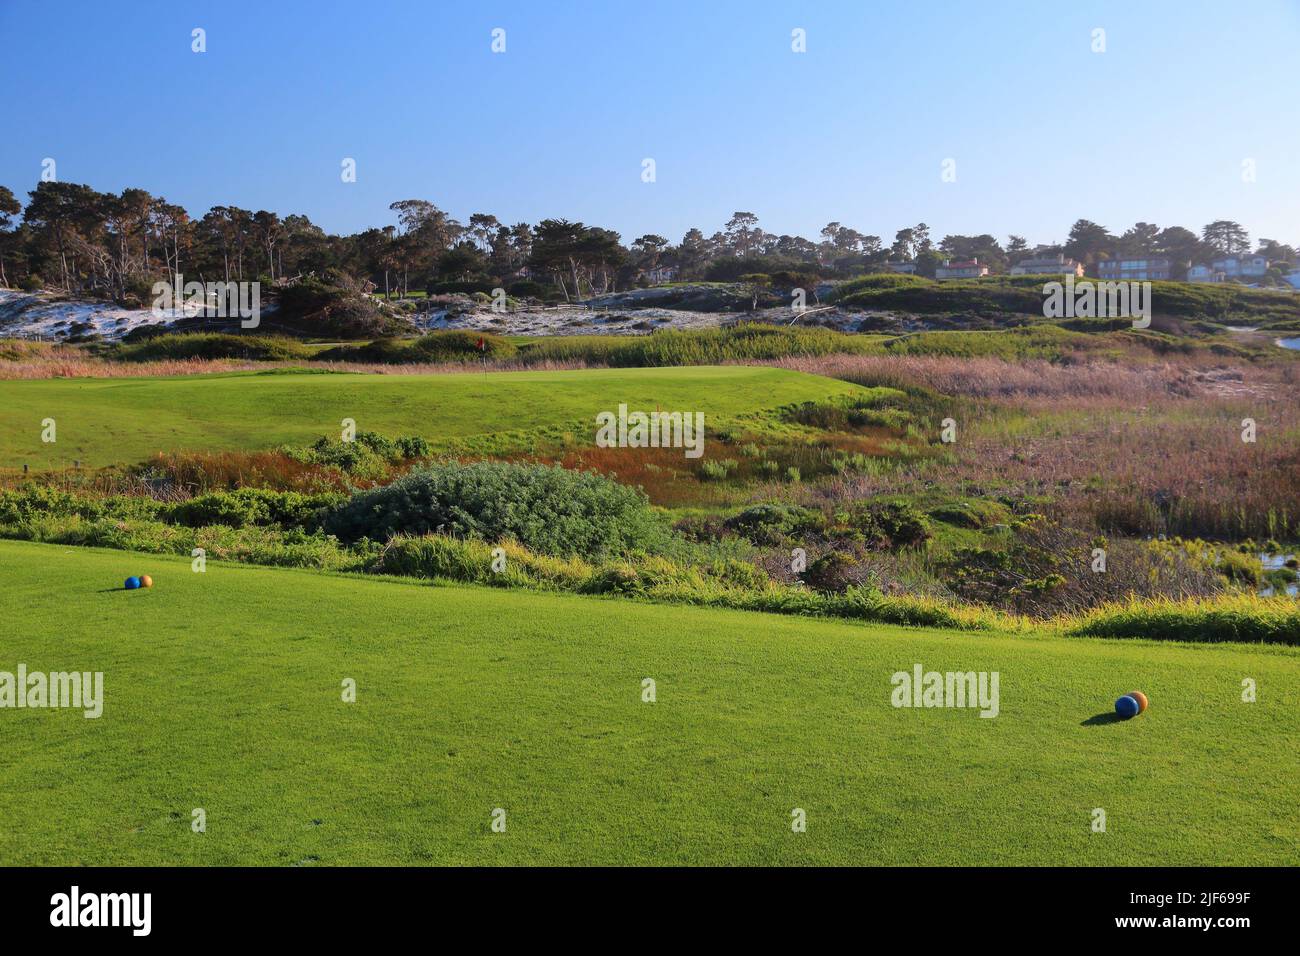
x: 212, y: 345
x: 368, y: 455
x: 448, y: 345
x: 973, y: 513
x: 772, y: 524
x: 250, y: 507
x: 40, y: 502
x: 547, y: 509
x: 887, y: 524
x: 252, y: 545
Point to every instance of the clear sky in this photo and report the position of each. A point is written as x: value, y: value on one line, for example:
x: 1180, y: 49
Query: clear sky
x: 1042, y: 129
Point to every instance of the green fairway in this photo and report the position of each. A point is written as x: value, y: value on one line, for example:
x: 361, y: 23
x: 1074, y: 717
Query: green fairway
x: 105, y: 421
x: 222, y: 691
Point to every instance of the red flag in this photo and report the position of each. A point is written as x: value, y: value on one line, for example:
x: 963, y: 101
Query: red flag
x: 482, y: 345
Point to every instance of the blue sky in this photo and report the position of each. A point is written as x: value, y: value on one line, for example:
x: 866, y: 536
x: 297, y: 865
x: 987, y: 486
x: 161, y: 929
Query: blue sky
x: 1043, y: 130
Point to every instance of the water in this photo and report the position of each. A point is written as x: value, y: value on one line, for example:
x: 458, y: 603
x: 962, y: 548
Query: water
x: 1271, y: 562
x: 1292, y: 343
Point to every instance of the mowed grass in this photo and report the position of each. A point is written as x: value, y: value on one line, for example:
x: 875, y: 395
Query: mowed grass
x: 223, y: 691
x: 107, y: 421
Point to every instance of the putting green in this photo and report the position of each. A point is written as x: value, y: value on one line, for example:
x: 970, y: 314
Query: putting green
x: 222, y: 691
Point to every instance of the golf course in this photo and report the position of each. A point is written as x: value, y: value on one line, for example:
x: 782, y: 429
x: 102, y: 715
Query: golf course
x: 223, y: 691
x: 645, y: 677
x: 107, y: 421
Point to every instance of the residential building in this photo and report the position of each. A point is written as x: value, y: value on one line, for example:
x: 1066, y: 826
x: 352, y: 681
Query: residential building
x: 960, y: 269
x: 1047, y: 266
x: 1236, y: 267
x: 660, y: 274
x: 1134, y: 270
x: 904, y: 268
x: 1203, y: 273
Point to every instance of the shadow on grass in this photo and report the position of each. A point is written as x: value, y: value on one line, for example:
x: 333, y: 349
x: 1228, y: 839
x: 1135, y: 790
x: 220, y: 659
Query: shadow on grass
x: 1096, y: 720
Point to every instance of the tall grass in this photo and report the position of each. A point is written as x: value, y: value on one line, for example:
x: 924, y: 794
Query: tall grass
x: 671, y: 347
x: 1242, y: 618
x: 1124, y: 447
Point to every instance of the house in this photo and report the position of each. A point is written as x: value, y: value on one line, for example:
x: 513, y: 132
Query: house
x: 659, y: 274
x: 1203, y: 273
x: 903, y: 268
x: 1236, y: 267
x: 1294, y: 279
x: 1134, y: 270
x: 960, y: 269
x: 1047, y: 266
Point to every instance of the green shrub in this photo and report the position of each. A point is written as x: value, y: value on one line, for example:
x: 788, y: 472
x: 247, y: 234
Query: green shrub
x: 717, y: 469
x: 448, y: 345
x: 546, y: 509
x: 213, y: 345
x: 20, y: 505
x: 771, y: 524
x: 253, y: 545
x: 891, y: 524
x: 251, y: 507
x: 834, y: 572
x: 1240, y: 568
x: 368, y: 455
x: 971, y: 514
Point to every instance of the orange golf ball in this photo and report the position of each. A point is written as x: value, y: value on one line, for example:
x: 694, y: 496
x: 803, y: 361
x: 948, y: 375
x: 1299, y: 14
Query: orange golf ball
x: 1137, y: 695
x: 147, y: 582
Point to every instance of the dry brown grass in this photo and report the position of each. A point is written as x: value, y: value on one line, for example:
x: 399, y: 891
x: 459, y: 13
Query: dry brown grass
x: 1123, y: 447
x: 994, y: 378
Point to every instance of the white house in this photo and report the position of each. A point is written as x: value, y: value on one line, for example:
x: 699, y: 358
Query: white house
x: 660, y: 274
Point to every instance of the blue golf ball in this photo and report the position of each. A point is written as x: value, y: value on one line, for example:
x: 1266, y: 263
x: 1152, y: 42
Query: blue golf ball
x: 132, y: 583
x: 1126, y: 706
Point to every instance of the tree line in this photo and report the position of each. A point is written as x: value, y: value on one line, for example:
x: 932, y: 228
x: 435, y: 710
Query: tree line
x: 76, y: 239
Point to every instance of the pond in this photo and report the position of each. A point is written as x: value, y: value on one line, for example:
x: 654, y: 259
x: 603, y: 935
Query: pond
x: 1277, y: 562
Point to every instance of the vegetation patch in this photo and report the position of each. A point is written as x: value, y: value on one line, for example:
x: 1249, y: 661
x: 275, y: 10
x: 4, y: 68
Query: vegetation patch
x: 546, y: 509
x: 446, y: 346
x: 212, y: 345
x: 1244, y: 618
